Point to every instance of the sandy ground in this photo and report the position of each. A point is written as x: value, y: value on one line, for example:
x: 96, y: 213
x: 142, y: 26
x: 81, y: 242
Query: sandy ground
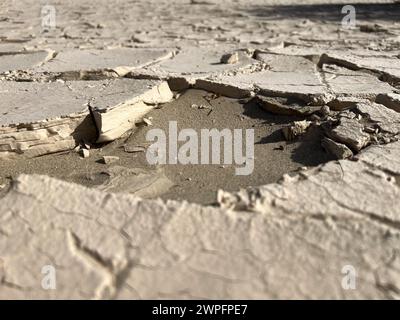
x: 274, y: 156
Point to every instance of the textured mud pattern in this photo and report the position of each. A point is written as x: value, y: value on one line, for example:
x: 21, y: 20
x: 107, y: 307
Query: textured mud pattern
x: 85, y: 215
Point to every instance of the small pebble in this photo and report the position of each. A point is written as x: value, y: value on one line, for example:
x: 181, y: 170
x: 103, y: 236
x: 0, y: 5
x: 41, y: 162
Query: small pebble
x: 109, y: 159
x: 325, y: 110
x: 369, y: 129
x: 84, y: 153
x: 230, y: 58
x: 132, y: 149
x: 147, y: 121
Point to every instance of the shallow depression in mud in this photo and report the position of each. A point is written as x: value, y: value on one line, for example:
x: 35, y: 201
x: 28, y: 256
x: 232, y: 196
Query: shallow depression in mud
x: 196, y: 110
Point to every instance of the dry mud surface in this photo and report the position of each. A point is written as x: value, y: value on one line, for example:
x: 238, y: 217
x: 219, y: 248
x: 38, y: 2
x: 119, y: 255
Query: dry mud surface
x: 77, y: 192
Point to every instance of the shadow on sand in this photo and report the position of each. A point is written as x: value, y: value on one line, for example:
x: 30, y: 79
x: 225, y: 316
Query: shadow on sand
x: 328, y: 12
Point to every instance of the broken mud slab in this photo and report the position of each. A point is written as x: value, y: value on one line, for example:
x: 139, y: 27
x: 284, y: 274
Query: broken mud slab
x: 201, y: 62
x: 273, y: 156
x: 362, y: 125
x: 282, y: 76
x: 285, y: 106
x: 10, y: 61
x: 358, y: 225
x: 385, y: 65
x: 101, y: 64
x: 43, y: 118
x: 390, y: 100
x: 344, y: 82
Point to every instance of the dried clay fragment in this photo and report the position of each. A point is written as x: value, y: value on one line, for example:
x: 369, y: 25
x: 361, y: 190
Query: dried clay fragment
x: 110, y: 159
x: 296, y: 129
x: 230, y: 58
x: 338, y: 150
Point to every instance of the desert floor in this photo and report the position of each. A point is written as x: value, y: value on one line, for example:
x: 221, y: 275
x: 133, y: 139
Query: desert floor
x: 84, y: 214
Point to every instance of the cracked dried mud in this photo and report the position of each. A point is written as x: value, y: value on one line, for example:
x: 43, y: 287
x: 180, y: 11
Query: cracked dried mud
x: 78, y: 192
